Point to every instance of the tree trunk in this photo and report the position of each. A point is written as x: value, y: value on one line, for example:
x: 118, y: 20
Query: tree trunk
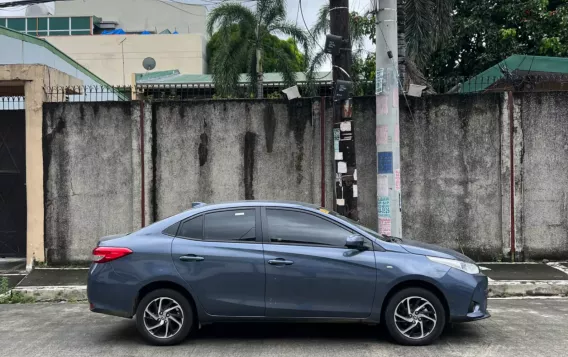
x: 259, y: 76
x: 400, y: 5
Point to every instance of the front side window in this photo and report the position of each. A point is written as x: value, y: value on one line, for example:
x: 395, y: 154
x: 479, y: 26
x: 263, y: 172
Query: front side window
x: 231, y: 226
x: 293, y: 227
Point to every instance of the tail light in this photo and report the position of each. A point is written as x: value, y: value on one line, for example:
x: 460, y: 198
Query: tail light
x: 107, y: 254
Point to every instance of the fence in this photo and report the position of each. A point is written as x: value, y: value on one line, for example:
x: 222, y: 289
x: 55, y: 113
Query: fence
x: 273, y: 90
x: 12, y: 103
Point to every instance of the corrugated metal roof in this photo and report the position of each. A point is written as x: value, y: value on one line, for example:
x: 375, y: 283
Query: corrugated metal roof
x: 524, y: 63
x: 174, y: 77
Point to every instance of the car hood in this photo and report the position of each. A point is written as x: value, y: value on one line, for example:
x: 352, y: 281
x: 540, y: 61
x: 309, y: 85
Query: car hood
x: 421, y: 248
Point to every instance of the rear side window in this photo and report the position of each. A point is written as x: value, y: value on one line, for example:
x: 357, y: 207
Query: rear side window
x: 231, y: 226
x: 172, y: 230
x: 192, y: 229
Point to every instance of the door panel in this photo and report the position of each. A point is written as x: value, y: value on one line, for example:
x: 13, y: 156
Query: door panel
x: 221, y: 258
x: 320, y: 282
x: 228, y: 281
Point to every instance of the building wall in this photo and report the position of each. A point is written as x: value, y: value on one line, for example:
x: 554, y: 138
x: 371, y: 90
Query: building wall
x: 15, y: 51
x: 140, y: 15
x: 103, y: 54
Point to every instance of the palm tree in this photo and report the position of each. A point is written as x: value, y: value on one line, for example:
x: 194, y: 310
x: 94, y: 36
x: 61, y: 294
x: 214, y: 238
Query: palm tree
x: 246, y: 49
x: 423, y: 26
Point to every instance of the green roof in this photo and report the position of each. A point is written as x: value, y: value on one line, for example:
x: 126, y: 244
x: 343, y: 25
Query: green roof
x: 43, y: 43
x: 519, y: 63
x: 174, y: 77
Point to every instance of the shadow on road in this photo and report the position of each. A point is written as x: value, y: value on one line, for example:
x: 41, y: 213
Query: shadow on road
x: 125, y: 332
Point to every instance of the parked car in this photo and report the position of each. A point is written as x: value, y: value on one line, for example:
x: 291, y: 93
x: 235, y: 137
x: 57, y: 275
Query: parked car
x: 280, y: 261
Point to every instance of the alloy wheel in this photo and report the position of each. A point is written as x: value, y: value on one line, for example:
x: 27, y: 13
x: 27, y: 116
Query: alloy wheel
x: 163, y: 317
x: 415, y: 317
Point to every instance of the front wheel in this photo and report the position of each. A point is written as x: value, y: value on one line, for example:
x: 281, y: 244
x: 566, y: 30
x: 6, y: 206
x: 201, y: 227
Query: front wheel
x: 415, y: 317
x: 164, y: 317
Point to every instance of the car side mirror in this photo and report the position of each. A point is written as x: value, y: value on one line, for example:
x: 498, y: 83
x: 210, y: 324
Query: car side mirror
x: 355, y: 241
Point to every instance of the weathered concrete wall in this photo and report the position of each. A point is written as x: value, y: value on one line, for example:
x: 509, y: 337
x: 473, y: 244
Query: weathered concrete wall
x: 456, y: 167
x: 545, y: 175
x: 451, y: 173
x: 235, y: 150
x: 89, y: 175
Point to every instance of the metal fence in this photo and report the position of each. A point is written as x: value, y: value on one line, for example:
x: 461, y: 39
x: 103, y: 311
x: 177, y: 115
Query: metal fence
x: 12, y: 103
x: 193, y: 91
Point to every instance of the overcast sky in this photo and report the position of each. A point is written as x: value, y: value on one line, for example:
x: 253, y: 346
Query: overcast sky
x: 310, y: 9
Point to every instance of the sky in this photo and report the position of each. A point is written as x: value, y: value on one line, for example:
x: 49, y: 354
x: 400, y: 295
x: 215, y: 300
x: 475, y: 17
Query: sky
x: 309, y: 7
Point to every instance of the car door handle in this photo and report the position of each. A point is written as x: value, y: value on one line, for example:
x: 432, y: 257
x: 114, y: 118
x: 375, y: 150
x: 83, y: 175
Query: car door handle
x: 191, y: 258
x: 280, y: 261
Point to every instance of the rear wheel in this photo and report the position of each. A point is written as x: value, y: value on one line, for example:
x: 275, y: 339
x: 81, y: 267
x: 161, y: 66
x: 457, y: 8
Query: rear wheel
x: 164, y: 317
x: 415, y: 317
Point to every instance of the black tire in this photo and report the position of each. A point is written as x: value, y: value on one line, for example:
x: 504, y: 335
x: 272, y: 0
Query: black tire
x: 186, y: 313
x: 435, y: 329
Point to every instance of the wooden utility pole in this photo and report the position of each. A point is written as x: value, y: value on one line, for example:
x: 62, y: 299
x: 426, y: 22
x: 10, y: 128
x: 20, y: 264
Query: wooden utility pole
x: 343, y: 128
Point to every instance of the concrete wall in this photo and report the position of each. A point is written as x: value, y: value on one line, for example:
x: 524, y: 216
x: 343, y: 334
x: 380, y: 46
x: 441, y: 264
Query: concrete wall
x: 102, y: 54
x: 544, y: 173
x: 450, y: 157
x: 140, y: 15
x: 456, y: 167
x: 92, y: 175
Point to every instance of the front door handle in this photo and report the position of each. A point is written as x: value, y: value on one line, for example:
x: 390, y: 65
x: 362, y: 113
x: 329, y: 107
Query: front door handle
x: 191, y: 258
x: 280, y: 261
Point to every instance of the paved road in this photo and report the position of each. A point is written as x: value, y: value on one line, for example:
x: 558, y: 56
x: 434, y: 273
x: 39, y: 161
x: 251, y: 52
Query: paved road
x: 517, y: 328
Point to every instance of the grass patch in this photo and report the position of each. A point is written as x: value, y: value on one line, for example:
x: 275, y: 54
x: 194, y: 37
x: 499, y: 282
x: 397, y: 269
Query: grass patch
x: 16, y: 298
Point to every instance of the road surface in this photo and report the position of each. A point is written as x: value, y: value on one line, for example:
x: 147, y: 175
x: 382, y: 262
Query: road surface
x: 529, y: 327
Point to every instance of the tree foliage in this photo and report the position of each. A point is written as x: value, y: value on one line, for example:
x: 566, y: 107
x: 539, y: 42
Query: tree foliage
x: 246, y: 40
x: 272, y: 44
x: 486, y: 32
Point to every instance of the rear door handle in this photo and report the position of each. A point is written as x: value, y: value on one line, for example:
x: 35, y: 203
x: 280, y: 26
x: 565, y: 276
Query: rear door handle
x: 191, y: 258
x: 280, y: 261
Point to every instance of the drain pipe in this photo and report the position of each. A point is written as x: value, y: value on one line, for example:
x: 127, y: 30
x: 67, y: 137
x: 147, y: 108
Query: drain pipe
x: 512, y: 169
x: 142, y: 183
x: 322, y: 145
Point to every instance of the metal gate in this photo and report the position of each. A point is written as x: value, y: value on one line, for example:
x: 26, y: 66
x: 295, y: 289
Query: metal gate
x: 13, y: 212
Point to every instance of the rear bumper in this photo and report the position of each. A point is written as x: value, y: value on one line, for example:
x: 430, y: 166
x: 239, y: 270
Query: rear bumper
x: 105, y: 295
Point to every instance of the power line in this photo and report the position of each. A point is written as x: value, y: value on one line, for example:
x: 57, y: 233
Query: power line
x: 26, y: 2
x: 306, y: 25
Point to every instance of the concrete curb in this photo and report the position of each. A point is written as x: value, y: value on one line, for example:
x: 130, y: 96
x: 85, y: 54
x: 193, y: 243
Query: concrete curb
x: 497, y: 289
x: 54, y: 293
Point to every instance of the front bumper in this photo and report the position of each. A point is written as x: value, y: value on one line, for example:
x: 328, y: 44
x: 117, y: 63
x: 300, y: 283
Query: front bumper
x: 468, y: 296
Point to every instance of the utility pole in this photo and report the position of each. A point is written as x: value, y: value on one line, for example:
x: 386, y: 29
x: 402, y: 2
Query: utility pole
x: 343, y: 128
x: 389, y: 198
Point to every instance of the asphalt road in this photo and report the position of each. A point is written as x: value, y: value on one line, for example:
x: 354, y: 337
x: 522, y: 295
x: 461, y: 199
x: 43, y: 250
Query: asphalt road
x: 536, y: 327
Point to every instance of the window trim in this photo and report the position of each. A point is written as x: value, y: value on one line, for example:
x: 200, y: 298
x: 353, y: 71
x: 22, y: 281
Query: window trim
x: 257, y: 225
x: 266, y: 237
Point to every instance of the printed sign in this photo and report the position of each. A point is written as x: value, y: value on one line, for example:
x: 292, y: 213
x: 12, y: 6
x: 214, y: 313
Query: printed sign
x: 342, y: 167
x: 382, y: 105
x: 397, y: 133
x: 383, y: 186
x: 345, y: 126
x: 379, y: 80
x: 397, y: 180
x: 384, y: 160
x: 395, y: 97
x: 336, y: 139
x: 385, y: 226
x: 382, y: 134
x: 384, y: 207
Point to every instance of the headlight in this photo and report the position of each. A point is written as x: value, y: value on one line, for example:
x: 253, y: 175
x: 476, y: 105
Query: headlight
x: 463, y: 266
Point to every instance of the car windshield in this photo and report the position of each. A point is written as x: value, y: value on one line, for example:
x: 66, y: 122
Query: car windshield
x: 357, y: 224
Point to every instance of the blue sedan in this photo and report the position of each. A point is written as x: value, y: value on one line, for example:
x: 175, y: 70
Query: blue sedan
x: 280, y: 261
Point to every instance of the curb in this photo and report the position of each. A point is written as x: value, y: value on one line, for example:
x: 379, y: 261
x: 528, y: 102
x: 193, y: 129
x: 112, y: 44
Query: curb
x: 512, y: 288
x: 54, y: 293
x: 497, y: 289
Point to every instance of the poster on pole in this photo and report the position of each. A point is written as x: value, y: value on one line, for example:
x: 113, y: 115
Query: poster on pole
x: 384, y: 207
x: 385, y: 226
x: 384, y: 160
x: 382, y: 105
x: 382, y: 134
x: 383, y: 186
x: 397, y: 180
